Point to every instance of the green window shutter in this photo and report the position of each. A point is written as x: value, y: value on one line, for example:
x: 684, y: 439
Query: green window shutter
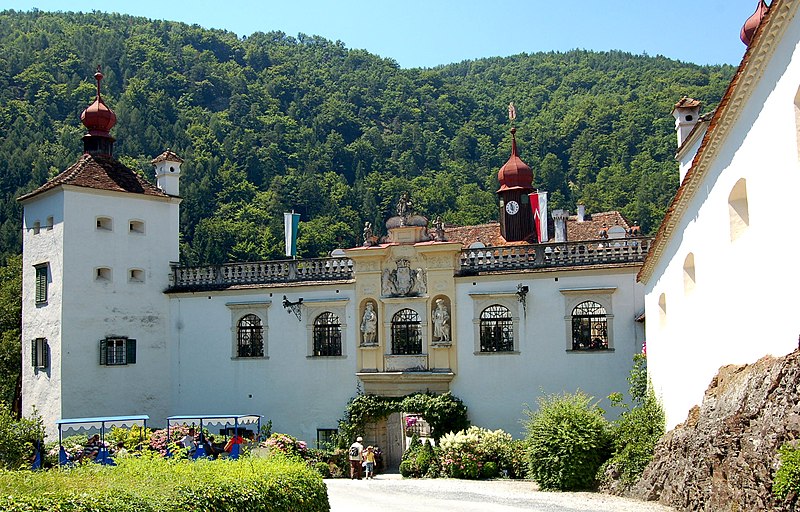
x: 33, y: 353
x: 45, y: 354
x: 41, y: 284
x: 130, y: 351
x: 103, y: 349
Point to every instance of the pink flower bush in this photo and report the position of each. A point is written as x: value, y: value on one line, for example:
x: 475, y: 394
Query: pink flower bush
x: 287, y: 445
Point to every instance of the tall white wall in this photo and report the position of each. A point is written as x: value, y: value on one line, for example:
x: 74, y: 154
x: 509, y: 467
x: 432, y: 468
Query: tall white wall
x: 299, y: 393
x: 42, y: 387
x: 495, y: 387
x: 742, y: 306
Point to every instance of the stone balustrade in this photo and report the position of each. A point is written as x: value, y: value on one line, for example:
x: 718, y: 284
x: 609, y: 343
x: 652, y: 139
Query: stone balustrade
x: 563, y: 254
x: 261, y: 272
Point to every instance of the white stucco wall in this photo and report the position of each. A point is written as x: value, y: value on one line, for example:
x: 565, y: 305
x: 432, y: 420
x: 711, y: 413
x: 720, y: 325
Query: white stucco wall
x: 742, y: 304
x: 42, y: 387
x: 299, y: 393
x: 495, y: 387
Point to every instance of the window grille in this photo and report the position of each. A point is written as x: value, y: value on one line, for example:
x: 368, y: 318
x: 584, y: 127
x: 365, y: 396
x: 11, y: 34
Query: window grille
x: 41, y: 284
x: 327, y: 335
x: 40, y: 353
x: 250, y: 336
x: 589, y: 326
x: 497, y: 329
x: 117, y: 351
x: 406, y: 333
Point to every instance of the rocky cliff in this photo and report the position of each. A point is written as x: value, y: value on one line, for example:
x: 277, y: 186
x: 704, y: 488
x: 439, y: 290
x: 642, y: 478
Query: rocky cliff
x: 723, y: 457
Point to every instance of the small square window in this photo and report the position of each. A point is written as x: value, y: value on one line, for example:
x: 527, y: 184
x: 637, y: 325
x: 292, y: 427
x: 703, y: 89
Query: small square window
x: 326, y: 437
x: 102, y: 274
x: 40, y: 353
x: 136, y: 226
x: 37, y: 226
x: 49, y: 224
x: 104, y: 223
x: 117, y: 351
x: 136, y: 275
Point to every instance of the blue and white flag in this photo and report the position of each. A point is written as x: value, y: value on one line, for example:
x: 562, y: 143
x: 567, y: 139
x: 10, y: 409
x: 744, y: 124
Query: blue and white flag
x: 290, y: 223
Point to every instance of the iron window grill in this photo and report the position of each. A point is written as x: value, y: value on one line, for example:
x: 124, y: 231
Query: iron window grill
x: 589, y: 326
x: 41, y: 284
x: 250, y: 337
x: 40, y: 353
x: 327, y: 335
x: 406, y: 333
x: 497, y: 329
x: 117, y: 351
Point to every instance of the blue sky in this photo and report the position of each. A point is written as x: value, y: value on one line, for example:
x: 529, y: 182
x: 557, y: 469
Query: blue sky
x: 419, y: 33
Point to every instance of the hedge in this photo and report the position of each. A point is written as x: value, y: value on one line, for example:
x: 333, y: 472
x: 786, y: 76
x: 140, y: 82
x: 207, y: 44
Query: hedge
x: 154, y: 484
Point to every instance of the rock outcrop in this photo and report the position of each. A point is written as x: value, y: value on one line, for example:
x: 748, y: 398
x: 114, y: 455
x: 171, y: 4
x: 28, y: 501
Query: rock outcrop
x: 724, y: 456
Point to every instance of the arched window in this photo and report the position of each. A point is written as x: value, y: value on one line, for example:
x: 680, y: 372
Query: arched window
x: 738, y: 210
x: 406, y: 333
x: 327, y: 335
x: 250, y: 337
x: 662, y: 310
x: 497, y: 329
x: 688, y: 274
x: 589, y: 326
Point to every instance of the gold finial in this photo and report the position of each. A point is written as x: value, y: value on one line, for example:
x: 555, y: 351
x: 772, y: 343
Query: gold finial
x: 512, y: 112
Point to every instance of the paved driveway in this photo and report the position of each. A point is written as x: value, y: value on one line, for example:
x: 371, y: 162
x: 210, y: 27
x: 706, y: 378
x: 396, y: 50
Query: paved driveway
x: 391, y: 493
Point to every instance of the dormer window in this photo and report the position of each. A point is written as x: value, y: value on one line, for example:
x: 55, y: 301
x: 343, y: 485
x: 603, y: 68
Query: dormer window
x: 136, y: 226
x: 104, y: 223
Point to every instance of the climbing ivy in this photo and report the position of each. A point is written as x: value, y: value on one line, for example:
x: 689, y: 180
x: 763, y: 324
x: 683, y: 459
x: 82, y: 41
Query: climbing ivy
x: 443, y: 412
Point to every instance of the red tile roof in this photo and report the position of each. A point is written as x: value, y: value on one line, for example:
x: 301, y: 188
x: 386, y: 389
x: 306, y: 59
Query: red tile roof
x: 489, y: 234
x: 167, y: 155
x: 102, y: 173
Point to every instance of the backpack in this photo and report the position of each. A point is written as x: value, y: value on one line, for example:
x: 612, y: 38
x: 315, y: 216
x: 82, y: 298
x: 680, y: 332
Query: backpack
x: 354, y: 452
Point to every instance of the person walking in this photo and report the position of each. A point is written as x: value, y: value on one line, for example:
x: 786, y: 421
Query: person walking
x: 355, y: 454
x: 369, y: 458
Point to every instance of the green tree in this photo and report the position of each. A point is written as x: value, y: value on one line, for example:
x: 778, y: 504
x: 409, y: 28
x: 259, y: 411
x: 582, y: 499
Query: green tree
x: 10, y: 331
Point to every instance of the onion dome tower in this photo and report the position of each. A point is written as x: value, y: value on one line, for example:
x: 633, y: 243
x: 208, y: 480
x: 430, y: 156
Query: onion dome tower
x: 516, y: 182
x: 752, y: 23
x: 98, y: 119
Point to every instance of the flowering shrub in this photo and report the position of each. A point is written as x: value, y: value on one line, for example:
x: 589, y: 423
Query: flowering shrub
x: 460, y: 463
x: 286, y: 445
x: 481, y: 446
x: 134, y: 438
x: 160, y: 443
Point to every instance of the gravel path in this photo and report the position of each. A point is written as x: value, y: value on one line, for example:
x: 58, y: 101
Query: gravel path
x: 391, y: 493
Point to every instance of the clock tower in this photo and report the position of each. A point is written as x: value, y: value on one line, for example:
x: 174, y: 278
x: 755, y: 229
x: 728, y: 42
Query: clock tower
x: 516, y: 182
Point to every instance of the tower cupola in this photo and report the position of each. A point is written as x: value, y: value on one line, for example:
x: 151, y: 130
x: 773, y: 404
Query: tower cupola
x: 515, y: 172
x: 516, y: 182
x: 752, y: 23
x: 168, y: 172
x: 98, y: 119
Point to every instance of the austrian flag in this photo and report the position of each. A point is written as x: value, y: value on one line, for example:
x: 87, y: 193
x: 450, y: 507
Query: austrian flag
x: 539, y: 208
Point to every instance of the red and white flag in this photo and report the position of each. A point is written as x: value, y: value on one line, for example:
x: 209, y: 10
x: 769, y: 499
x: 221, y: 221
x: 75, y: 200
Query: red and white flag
x: 539, y: 208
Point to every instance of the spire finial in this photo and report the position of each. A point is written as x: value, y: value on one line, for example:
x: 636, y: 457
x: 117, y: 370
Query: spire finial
x: 98, y: 76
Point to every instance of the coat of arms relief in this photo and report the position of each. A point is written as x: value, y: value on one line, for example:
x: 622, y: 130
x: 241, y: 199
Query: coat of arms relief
x: 403, y: 281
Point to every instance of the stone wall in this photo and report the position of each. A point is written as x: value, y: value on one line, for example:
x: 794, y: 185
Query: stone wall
x: 723, y: 457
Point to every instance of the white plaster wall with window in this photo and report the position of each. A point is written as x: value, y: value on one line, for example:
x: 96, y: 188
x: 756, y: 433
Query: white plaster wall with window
x: 736, y: 311
x: 300, y: 394
x: 496, y: 385
x: 118, y: 307
x: 42, y: 319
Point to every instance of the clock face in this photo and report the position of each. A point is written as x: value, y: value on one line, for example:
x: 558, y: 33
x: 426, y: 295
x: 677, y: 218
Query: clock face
x: 512, y: 207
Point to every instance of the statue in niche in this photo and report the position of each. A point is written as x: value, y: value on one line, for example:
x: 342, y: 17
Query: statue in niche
x: 441, y: 322
x: 404, y: 281
x: 369, y: 325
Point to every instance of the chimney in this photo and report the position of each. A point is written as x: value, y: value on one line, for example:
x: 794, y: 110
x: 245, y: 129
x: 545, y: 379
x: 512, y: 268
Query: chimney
x: 581, y: 213
x: 686, y: 113
x: 560, y: 220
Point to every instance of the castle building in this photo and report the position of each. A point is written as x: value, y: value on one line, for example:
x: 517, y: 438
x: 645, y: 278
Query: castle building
x: 114, y: 325
x: 721, y: 276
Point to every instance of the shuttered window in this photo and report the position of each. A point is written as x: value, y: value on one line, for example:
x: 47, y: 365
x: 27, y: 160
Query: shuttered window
x: 40, y: 353
x: 41, y: 284
x: 117, y: 351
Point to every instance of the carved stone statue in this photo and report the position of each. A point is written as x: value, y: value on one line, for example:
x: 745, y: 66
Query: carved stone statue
x: 441, y: 322
x: 404, y: 206
x: 404, y: 281
x: 368, y: 236
x: 369, y: 325
x: 438, y: 227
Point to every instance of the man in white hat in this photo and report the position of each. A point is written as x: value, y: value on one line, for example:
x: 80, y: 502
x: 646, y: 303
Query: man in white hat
x: 355, y: 455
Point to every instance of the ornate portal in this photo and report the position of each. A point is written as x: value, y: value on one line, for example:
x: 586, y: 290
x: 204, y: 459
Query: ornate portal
x: 404, y: 281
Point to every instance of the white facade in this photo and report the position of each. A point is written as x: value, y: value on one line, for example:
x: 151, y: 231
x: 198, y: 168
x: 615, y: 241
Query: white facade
x: 722, y: 279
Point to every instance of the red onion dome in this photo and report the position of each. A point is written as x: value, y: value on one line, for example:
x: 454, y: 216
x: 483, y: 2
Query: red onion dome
x: 752, y: 23
x: 515, y: 173
x: 98, y: 118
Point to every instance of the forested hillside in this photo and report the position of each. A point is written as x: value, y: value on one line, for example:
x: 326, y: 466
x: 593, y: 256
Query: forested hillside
x: 268, y: 123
